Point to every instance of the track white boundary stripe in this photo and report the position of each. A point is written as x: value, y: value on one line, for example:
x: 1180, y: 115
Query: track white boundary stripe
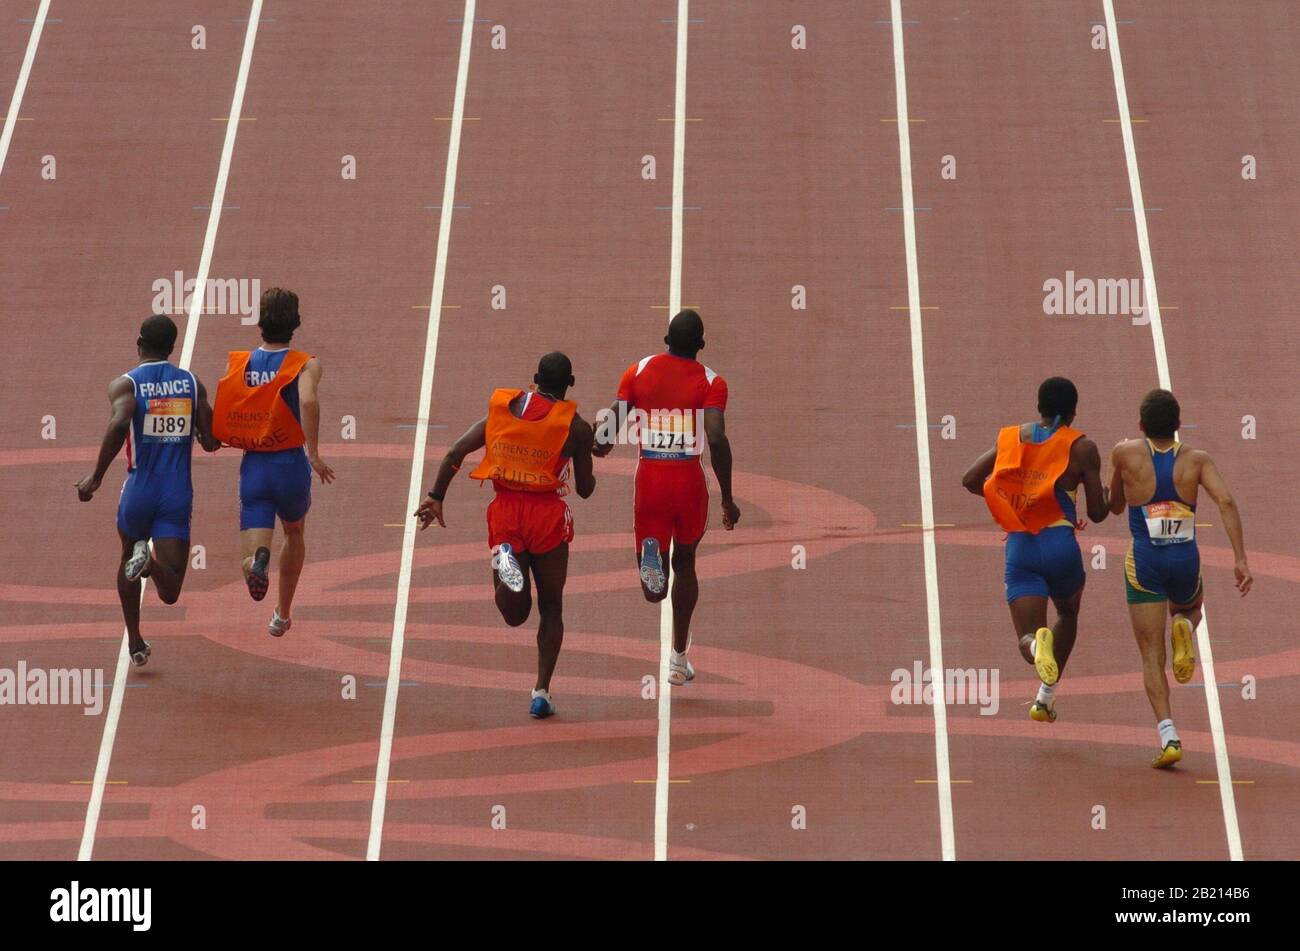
x: 105, y: 758
x: 15, y: 103
x: 114, y: 711
x: 219, y: 192
x: 943, y: 774
x: 1226, y: 795
x: 416, y: 488
x: 674, y: 305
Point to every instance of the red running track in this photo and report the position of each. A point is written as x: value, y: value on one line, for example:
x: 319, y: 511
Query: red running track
x: 791, y: 178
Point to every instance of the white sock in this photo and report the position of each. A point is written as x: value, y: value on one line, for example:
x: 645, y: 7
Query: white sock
x: 544, y: 694
x: 1046, y: 694
x: 1167, y: 732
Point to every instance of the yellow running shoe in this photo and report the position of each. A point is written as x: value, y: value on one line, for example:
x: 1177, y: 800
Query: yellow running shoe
x: 1042, y: 713
x: 1170, y: 755
x: 1044, y: 659
x: 1184, y: 650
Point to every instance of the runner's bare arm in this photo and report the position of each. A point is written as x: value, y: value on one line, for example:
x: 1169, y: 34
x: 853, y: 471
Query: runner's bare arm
x: 715, y: 429
x: 582, y: 439
x: 1217, y: 489
x: 979, y: 471
x: 430, y: 509
x: 121, y: 396
x: 309, y: 403
x: 203, y: 420
x: 1088, y: 458
x: 1115, y: 492
x: 606, y: 430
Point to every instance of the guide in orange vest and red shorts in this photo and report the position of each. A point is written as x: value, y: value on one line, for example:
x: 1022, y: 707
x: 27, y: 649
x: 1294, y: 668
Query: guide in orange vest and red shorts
x: 533, y: 438
x: 267, y: 405
x: 1029, y: 480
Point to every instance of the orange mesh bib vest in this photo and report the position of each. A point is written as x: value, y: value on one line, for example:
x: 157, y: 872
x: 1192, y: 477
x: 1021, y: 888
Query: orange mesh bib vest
x: 523, y: 454
x: 1021, y: 492
x: 256, y: 418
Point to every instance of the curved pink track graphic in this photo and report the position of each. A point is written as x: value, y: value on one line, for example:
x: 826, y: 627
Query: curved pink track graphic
x: 811, y: 708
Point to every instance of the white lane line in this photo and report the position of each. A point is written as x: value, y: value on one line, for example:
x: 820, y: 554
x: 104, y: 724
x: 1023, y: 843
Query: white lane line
x: 219, y: 192
x: 105, y: 758
x: 416, y: 488
x: 944, y: 785
x: 191, y: 332
x: 1227, y: 796
x: 15, y: 103
x: 674, y: 305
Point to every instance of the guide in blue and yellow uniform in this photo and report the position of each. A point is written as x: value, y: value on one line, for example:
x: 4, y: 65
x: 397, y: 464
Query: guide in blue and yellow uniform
x: 1158, y: 479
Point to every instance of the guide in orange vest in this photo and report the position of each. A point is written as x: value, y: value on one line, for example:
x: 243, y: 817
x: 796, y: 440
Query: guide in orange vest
x: 1029, y: 480
x: 532, y: 438
x: 268, y: 405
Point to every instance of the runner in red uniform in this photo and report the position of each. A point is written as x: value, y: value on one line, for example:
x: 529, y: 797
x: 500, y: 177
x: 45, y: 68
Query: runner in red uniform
x: 664, y: 401
x: 531, y: 436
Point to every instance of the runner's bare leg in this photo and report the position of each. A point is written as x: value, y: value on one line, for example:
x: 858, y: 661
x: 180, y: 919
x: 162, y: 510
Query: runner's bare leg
x: 1149, y: 629
x: 550, y: 571
x: 1028, y: 614
x: 128, y: 592
x: 171, y: 556
x: 1066, y: 628
x: 293, y: 552
x: 686, y: 593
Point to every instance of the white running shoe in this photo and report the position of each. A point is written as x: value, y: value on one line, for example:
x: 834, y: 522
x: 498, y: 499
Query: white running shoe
x: 278, y: 625
x: 652, y: 566
x: 139, y: 560
x: 507, y: 568
x: 141, y: 657
x: 680, y: 670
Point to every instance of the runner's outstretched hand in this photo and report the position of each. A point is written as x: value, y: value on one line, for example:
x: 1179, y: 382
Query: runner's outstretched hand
x: 325, y: 472
x: 87, y: 488
x: 430, y: 511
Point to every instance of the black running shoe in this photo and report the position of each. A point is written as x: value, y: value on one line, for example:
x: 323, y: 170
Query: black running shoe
x: 258, y: 580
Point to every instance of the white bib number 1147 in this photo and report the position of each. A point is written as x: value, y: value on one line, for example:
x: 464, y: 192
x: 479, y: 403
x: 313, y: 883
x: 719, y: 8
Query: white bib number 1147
x: 1170, y: 523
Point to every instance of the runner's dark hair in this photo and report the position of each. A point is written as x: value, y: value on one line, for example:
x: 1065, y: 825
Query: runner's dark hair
x: 278, y: 315
x: 1160, y: 414
x: 158, y: 336
x: 1057, y: 399
x: 685, y: 334
x: 555, y: 372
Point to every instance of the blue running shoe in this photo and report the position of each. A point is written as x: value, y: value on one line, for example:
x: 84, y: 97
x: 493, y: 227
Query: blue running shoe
x: 542, y: 706
x: 652, y: 566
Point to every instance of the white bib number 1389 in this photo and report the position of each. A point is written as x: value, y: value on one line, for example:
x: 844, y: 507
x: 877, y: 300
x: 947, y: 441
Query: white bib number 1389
x: 167, y: 420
